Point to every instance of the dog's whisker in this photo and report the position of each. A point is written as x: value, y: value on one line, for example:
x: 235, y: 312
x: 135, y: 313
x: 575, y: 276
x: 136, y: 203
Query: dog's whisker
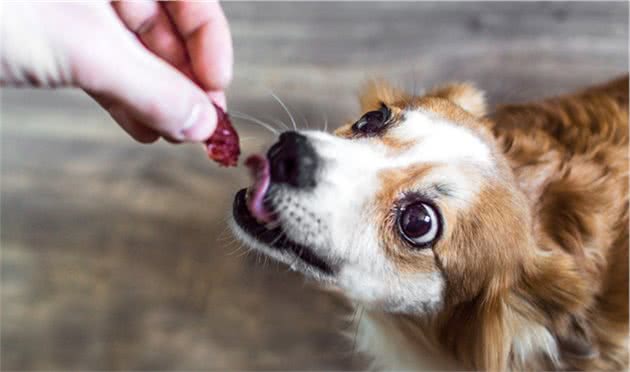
x: 285, y: 109
x: 273, y: 152
x: 244, y: 253
x: 415, y: 85
x: 356, y: 331
x: 325, y: 121
x: 226, y: 240
x: 234, y: 251
x: 354, y: 314
x: 280, y: 236
x: 256, y: 121
x: 249, y: 116
x: 222, y: 235
x: 265, y: 126
x: 308, y: 126
x: 292, y: 265
x: 230, y: 243
x: 237, y: 250
x: 279, y: 122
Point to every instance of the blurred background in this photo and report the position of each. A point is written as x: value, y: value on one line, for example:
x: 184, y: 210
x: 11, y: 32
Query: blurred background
x: 116, y: 255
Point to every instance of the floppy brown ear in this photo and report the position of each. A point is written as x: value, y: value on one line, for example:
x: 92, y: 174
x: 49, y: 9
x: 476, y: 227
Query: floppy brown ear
x: 376, y: 92
x: 465, y: 95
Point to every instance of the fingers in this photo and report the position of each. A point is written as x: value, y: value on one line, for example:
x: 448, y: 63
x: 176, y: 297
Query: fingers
x: 149, y: 90
x: 146, y: 94
x: 137, y: 15
x: 205, y: 31
x: 135, y: 129
x: 149, y: 21
x: 218, y: 97
x: 198, y: 29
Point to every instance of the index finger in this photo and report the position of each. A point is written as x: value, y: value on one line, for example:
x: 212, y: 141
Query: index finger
x: 205, y: 31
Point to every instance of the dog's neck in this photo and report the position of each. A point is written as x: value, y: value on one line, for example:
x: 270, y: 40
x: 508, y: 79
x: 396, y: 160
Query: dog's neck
x: 406, y: 342
x: 400, y: 343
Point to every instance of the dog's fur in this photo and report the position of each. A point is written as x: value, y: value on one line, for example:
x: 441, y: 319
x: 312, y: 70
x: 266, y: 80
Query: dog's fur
x: 566, y: 306
x: 532, y: 269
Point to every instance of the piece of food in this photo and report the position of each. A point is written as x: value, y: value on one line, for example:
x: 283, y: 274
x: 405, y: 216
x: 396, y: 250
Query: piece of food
x: 223, y: 146
x: 259, y: 171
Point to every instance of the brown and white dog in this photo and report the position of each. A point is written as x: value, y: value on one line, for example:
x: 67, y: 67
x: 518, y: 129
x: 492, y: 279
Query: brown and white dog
x: 472, y: 240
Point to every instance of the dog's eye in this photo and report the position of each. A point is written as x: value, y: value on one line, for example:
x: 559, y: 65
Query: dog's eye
x: 372, y: 122
x: 419, y: 224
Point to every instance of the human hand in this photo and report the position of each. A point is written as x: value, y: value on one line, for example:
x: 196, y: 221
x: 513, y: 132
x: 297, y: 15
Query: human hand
x: 155, y: 67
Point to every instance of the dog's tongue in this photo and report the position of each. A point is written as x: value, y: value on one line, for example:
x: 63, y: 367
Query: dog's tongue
x: 259, y: 170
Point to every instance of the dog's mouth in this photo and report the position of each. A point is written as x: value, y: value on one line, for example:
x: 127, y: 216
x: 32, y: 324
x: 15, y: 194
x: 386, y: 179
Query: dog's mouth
x: 253, y: 213
x: 256, y: 204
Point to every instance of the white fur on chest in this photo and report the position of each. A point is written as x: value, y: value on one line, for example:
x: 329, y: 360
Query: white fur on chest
x: 390, y: 349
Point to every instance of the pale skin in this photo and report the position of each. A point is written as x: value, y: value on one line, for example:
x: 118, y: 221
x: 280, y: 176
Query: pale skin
x: 155, y: 67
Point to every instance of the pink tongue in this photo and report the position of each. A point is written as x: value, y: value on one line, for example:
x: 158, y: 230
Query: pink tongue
x: 259, y: 170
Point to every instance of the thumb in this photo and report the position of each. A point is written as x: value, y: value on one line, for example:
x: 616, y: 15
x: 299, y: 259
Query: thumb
x: 149, y: 91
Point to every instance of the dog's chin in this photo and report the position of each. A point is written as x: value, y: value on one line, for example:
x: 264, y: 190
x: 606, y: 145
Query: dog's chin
x: 274, y: 242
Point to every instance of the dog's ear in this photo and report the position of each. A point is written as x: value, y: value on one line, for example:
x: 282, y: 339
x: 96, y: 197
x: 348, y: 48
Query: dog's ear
x: 465, y: 95
x: 375, y: 93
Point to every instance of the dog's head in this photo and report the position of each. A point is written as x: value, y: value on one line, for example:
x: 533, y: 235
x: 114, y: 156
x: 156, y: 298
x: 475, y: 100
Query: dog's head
x: 407, y: 209
x: 413, y: 209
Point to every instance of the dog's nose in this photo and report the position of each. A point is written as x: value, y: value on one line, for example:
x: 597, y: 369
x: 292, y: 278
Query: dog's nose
x: 293, y: 160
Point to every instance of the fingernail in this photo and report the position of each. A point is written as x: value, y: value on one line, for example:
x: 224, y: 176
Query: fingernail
x: 200, y: 123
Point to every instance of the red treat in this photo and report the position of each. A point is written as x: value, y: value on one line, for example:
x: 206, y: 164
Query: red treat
x: 223, y: 146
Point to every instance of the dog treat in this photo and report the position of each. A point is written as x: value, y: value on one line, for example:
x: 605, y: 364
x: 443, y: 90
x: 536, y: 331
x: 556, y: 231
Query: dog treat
x: 223, y: 145
x: 259, y: 171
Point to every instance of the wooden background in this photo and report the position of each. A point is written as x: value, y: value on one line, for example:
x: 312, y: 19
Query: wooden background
x: 115, y: 255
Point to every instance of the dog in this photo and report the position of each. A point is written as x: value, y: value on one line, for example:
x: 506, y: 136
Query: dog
x: 471, y: 240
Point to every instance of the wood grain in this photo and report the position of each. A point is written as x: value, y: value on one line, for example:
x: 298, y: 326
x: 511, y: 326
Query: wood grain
x: 116, y: 255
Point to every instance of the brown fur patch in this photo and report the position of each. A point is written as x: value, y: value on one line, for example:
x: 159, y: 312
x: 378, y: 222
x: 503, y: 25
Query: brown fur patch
x: 487, y: 244
x: 377, y: 92
x: 345, y: 131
